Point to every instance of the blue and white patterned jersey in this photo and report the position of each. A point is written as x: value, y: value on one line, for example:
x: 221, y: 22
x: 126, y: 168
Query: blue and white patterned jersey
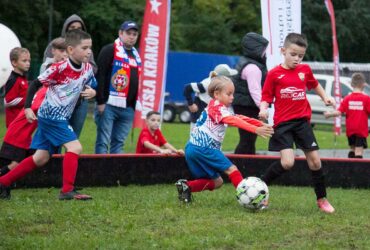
x: 209, y: 131
x: 65, y: 84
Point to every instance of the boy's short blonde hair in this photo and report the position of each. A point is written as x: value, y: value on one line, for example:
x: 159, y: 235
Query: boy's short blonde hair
x: 15, y: 53
x: 59, y: 43
x: 295, y: 38
x: 357, y: 79
x: 218, y: 82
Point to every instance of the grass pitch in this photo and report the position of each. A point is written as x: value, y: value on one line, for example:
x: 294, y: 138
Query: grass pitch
x: 150, y: 217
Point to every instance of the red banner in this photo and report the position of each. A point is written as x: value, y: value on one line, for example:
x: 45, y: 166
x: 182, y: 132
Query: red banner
x: 337, y: 87
x: 153, y: 53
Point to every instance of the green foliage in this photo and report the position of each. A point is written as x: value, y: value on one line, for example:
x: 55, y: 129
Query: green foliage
x: 150, y: 217
x: 214, y: 26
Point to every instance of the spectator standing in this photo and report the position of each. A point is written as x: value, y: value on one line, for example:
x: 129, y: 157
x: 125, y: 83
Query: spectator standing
x: 248, y: 83
x: 78, y: 117
x: 58, y: 50
x: 118, y: 81
x: 17, y: 84
x: 356, y: 106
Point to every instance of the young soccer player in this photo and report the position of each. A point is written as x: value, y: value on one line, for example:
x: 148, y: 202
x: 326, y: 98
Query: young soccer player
x: 151, y: 139
x: 203, y: 151
x: 58, y: 50
x: 287, y: 84
x: 356, y: 106
x: 17, y: 84
x: 18, y: 137
x: 65, y: 81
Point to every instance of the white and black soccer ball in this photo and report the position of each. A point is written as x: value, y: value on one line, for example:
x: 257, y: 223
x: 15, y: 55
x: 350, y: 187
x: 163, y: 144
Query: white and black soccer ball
x: 252, y: 193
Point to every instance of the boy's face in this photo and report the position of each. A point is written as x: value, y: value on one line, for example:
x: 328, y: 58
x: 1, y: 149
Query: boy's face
x: 226, y: 94
x: 81, y: 52
x: 74, y: 26
x: 129, y: 37
x: 59, y: 54
x: 293, y: 55
x: 153, y: 122
x: 23, y: 63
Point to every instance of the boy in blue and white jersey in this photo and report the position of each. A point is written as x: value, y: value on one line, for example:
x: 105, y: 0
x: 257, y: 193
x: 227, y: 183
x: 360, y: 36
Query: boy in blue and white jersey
x: 66, y: 81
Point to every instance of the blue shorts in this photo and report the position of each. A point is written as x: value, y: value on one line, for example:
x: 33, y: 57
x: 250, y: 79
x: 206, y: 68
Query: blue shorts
x: 205, y: 162
x: 51, y: 134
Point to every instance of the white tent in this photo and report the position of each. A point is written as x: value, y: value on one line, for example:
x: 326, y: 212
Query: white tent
x: 8, y: 41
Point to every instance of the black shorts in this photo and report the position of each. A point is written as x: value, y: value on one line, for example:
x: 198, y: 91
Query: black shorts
x: 13, y: 153
x: 357, y: 141
x: 297, y: 131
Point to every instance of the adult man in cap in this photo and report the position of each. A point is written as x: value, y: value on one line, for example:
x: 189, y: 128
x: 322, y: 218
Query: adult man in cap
x: 119, y: 67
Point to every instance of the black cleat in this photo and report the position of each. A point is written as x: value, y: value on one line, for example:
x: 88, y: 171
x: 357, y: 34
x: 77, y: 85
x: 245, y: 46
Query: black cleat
x: 184, y: 191
x: 4, y: 192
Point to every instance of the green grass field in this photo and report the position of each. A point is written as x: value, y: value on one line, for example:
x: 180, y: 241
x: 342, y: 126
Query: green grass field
x: 150, y: 217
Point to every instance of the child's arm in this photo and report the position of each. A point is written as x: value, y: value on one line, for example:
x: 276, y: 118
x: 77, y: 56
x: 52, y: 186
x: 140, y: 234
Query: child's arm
x: 264, y: 114
x: 88, y: 93
x: 321, y: 92
x: 173, y: 149
x: 188, y: 92
x: 32, y: 89
x: 252, y: 121
x: 264, y: 130
x: 329, y: 114
x: 155, y: 148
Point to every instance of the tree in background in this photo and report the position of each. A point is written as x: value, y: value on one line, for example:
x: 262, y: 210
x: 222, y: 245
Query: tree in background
x: 213, y: 26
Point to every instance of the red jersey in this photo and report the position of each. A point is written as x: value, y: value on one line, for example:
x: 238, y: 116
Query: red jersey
x: 15, y: 96
x: 356, y: 106
x: 20, y: 131
x: 145, y: 135
x: 288, y: 87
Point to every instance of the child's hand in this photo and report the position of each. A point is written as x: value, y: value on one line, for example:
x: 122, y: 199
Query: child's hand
x: 30, y: 115
x: 88, y: 93
x: 327, y: 114
x: 263, y: 115
x: 193, y: 108
x: 180, y: 152
x: 265, y: 131
x: 329, y: 101
x: 166, y: 151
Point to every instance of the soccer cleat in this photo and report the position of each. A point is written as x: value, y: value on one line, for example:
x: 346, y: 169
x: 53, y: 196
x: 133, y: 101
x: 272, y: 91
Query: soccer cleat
x: 4, y: 192
x: 183, y: 190
x: 325, y: 206
x: 74, y: 195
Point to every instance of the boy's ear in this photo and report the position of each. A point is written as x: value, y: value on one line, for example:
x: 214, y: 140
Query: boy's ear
x: 69, y: 49
x: 283, y: 50
x: 14, y: 63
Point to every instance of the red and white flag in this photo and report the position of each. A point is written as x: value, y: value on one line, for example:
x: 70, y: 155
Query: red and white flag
x: 337, y: 88
x: 153, y: 53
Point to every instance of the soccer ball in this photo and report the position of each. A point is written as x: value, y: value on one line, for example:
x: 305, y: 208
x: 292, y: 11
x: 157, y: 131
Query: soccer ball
x: 252, y: 193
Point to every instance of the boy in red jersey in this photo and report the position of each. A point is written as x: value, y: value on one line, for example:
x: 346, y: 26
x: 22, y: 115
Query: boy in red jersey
x: 287, y: 84
x: 17, y: 84
x: 356, y: 106
x: 151, y: 139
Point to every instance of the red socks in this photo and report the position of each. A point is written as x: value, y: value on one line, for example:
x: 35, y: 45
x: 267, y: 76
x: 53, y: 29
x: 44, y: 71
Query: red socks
x: 70, y: 164
x: 235, y: 178
x: 201, y: 185
x: 26, y: 166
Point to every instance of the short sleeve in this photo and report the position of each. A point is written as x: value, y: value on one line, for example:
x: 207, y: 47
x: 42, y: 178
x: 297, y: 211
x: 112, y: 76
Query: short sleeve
x: 49, y: 76
x: 217, y: 111
x: 311, y: 80
x: 161, y: 138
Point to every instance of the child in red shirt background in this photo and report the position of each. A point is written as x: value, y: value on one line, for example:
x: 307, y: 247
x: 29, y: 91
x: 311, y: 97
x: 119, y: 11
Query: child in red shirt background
x: 356, y: 106
x: 151, y: 139
x: 17, y: 84
x: 285, y: 85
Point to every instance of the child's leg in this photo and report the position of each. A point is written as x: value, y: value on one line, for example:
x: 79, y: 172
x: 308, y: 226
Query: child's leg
x: 200, y: 185
x: 234, y: 175
x: 279, y: 167
x: 70, y: 165
x: 359, y: 151
x: 318, y: 178
x: 4, y: 170
x: 40, y: 158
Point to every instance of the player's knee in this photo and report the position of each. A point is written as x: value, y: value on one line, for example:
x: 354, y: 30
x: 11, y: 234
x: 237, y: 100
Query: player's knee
x: 287, y: 164
x: 218, y: 182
